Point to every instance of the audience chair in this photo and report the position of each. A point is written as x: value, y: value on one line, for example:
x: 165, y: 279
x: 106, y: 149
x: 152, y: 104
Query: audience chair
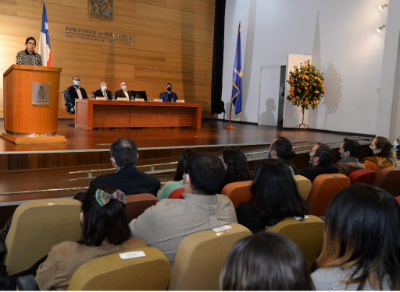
x: 324, y: 188
x: 238, y: 192
x: 388, y: 179
x: 176, y: 194
x: 308, y: 235
x: 201, y: 256
x: 303, y: 185
x: 69, y: 106
x: 137, y: 204
x: 110, y: 272
x: 37, y: 226
x: 398, y: 199
x: 366, y: 176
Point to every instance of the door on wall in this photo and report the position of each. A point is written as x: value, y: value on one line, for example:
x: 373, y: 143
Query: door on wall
x: 269, y: 96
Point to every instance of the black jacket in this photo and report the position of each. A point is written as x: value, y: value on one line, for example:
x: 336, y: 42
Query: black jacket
x: 129, y: 180
x: 312, y: 172
x: 120, y: 93
x: 98, y: 92
x: 72, y: 95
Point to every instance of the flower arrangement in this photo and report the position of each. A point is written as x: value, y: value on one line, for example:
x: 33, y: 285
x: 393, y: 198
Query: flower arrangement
x: 306, y: 86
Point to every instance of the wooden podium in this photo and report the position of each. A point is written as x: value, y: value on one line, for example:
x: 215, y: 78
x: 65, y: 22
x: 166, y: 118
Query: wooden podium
x: 24, y: 121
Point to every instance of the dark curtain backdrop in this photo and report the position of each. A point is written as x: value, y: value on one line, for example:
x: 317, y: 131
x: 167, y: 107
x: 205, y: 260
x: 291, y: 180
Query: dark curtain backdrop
x: 217, y: 105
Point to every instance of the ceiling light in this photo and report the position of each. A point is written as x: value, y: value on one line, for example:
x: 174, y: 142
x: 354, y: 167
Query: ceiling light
x: 379, y: 29
x: 383, y: 6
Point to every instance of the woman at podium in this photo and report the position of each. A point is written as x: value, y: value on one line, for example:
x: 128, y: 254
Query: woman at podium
x: 28, y: 56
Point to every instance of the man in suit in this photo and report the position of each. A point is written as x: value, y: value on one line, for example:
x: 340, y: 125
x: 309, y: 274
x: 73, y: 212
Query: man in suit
x: 75, y: 91
x: 124, y: 93
x: 127, y: 178
x: 103, y: 91
x: 320, y: 157
x: 169, y: 96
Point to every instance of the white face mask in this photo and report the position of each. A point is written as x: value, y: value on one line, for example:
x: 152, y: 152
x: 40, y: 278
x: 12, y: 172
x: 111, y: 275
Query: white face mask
x: 123, y: 87
x: 187, y: 180
x: 104, y: 88
x: 395, y: 145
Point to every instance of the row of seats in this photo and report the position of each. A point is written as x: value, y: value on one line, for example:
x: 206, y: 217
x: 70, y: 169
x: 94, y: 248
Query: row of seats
x: 325, y: 186
x: 39, y: 225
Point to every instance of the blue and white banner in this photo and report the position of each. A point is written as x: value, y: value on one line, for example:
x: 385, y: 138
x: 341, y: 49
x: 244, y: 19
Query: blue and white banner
x: 44, y: 42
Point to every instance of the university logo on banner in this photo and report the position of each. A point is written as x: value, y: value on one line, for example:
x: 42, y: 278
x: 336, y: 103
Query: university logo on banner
x: 101, y: 9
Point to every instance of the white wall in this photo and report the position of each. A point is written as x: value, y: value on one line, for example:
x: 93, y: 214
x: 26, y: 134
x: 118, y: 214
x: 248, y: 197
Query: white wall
x: 342, y: 39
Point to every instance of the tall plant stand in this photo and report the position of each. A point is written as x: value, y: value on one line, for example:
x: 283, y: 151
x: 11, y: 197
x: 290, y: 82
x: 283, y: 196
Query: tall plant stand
x: 302, y: 125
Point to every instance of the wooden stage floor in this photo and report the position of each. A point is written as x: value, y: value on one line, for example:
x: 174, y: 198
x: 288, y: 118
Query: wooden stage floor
x: 210, y: 134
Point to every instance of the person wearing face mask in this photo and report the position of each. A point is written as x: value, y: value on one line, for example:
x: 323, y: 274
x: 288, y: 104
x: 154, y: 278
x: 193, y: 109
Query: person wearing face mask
x: 168, y: 96
x: 124, y: 92
x: 381, y: 153
x: 29, y: 56
x: 75, y: 91
x: 348, y: 157
x: 103, y: 91
x: 320, y: 158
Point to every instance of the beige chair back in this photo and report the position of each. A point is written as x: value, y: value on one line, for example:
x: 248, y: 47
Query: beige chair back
x: 303, y: 185
x: 112, y: 273
x: 37, y: 226
x: 201, y: 256
x: 307, y: 234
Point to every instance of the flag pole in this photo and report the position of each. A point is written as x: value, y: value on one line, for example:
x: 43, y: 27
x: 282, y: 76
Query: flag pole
x: 230, y: 127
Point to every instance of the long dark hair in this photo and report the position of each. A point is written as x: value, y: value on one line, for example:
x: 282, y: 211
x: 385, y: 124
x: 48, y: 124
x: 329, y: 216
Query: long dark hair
x: 283, y: 148
x: 387, y: 150
x: 362, y: 230
x: 100, y: 223
x: 236, y: 162
x: 183, y: 163
x: 275, y: 194
x: 265, y: 261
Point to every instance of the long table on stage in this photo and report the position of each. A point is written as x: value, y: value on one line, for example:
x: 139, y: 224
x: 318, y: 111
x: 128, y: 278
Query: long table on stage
x: 91, y: 114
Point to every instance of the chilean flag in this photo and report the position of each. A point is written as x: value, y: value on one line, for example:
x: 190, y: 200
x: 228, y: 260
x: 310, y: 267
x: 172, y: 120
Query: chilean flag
x: 44, y: 42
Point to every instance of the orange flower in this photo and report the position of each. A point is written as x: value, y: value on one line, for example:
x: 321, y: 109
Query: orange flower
x: 316, y: 91
x: 298, y: 105
x: 306, y: 93
x: 305, y: 88
x: 322, y: 95
x: 297, y: 84
x: 315, y: 84
x: 306, y: 98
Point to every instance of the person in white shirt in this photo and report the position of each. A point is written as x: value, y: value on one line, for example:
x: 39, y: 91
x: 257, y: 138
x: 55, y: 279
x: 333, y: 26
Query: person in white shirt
x: 124, y: 92
x: 75, y: 92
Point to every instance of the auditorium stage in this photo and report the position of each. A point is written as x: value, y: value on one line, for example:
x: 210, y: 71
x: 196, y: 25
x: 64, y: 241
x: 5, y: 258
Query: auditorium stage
x: 210, y: 134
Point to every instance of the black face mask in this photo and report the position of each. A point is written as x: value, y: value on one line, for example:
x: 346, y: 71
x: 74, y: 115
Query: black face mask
x: 370, y: 152
x: 168, y: 89
x: 338, y: 155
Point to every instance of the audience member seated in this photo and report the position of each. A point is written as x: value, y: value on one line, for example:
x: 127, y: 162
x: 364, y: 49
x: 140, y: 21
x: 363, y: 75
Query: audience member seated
x: 124, y: 92
x: 361, y: 249
x: 348, y: 157
x: 265, y: 261
x: 320, y: 158
x: 275, y: 196
x: 167, y: 223
x: 103, y: 91
x: 127, y: 178
x: 75, y: 91
x: 380, y: 154
x: 105, y: 231
x: 236, y: 168
x: 282, y: 149
x: 171, y: 186
x: 396, y: 147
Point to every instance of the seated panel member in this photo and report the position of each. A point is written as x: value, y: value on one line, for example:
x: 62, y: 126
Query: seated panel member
x: 103, y: 91
x: 168, y: 95
x: 75, y: 91
x: 123, y: 92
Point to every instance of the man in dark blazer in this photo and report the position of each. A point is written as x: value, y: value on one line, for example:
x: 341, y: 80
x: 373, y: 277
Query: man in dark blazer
x: 168, y: 96
x: 75, y: 91
x: 124, y: 91
x: 127, y: 178
x: 103, y: 91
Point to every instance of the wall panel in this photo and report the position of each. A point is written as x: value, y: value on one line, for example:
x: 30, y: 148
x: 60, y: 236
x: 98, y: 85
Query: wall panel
x: 172, y: 41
